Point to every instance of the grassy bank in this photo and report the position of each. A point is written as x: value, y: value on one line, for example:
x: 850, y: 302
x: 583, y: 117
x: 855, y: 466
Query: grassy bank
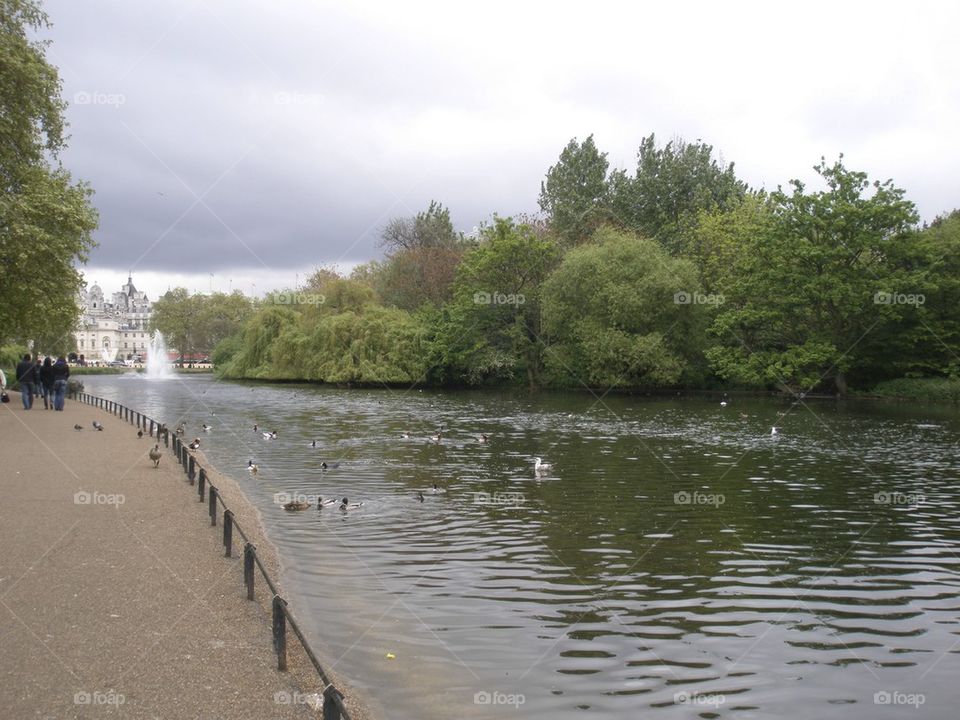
x: 920, y: 389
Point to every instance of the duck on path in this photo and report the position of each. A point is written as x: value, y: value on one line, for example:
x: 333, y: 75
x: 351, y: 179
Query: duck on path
x: 195, y: 444
x: 155, y: 455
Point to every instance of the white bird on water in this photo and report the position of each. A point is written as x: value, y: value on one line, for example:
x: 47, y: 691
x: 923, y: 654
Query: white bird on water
x: 540, y: 467
x: 252, y: 467
x: 773, y: 431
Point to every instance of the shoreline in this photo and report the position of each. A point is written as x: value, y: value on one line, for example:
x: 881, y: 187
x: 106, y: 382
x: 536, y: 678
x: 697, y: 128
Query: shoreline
x: 115, y: 597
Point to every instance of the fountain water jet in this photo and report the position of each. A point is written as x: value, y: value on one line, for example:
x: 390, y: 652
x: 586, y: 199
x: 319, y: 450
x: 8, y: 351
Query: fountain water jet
x: 158, y: 363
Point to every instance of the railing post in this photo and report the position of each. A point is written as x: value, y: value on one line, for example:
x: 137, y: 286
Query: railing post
x: 280, y: 632
x: 213, y: 505
x: 192, y: 471
x: 185, y: 457
x: 227, y: 533
x: 332, y: 698
x: 151, y: 428
x: 166, y: 437
x: 248, y: 552
x: 201, y: 483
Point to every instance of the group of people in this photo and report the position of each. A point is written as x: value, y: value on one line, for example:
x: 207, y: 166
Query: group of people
x: 46, y: 379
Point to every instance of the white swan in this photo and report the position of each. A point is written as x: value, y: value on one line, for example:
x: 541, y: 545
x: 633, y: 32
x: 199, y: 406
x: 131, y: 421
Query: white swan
x: 540, y: 467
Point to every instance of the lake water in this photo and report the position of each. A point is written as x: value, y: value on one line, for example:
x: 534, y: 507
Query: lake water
x: 679, y: 560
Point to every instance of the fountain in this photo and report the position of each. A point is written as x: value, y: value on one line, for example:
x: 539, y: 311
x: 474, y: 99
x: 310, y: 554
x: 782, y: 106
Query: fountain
x: 158, y: 363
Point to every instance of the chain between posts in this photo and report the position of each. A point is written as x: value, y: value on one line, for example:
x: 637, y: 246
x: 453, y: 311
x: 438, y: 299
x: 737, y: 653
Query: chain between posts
x: 333, y: 705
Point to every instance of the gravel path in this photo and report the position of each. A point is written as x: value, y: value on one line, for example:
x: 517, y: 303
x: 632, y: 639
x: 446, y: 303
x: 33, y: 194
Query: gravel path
x: 115, y: 595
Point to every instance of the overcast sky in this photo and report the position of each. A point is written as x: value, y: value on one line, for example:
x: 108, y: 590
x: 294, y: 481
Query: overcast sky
x: 255, y: 140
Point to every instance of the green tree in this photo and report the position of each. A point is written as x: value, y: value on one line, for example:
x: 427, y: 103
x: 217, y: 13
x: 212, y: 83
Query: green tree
x: 46, y: 220
x: 422, y: 256
x: 621, y: 313
x: 490, y: 331
x: 804, y: 300
x: 175, y: 315
x: 670, y: 186
x: 575, y: 193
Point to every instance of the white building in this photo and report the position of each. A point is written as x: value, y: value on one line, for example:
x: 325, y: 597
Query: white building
x: 114, y: 328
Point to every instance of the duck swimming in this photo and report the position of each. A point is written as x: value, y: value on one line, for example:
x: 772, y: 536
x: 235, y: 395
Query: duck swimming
x: 483, y: 439
x: 419, y: 497
x: 296, y: 505
x: 540, y: 467
x: 329, y: 466
x: 270, y: 435
x: 436, y: 489
x: 438, y: 438
x: 345, y: 505
x: 252, y: 467
x: 321, y: 503
x: 207, y: 428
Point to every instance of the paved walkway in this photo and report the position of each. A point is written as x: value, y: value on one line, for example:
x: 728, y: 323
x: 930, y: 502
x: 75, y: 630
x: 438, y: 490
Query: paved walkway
x: 115, y: 597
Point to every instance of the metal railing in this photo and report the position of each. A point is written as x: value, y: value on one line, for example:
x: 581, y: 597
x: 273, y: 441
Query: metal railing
x: 333, y: 706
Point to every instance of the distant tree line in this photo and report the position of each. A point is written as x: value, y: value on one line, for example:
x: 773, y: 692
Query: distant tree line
x: 673, y: 275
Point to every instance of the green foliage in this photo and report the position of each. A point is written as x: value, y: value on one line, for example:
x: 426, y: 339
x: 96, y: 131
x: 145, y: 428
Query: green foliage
x: 46, y: 227
x: 30, y: 105
x: 611, y: 315
x: 46, y: 220
x: 373, y: 345
x: 925, y: 389
x: 670, y: 186
x: 490, y: 331
x: 575, y: 193
x: 196, y: 324
x: 422, y: 257
x: 802, y: 298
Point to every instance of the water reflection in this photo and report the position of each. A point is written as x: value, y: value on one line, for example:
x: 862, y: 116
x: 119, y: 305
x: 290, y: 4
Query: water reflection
x: 679, y: 561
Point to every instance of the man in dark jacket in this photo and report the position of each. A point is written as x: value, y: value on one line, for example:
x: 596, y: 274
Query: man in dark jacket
x: 46, y: 381
x: 61, y: 371
x: 26, y: 376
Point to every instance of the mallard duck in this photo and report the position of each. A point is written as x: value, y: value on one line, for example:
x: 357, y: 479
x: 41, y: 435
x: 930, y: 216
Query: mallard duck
x: 419, y: 497
x: 270, y: 435
x: 438, y: 438
x: 296, y: 505
x: 345, y: 505
x: 97, y: 426
x: 155, y: 455
x: 252, y: 467
x: 321, y: 503
x: 329, y: 466
x: 437, y: 490
x: 195, y: 444
x: 540, y: 467
x: 207, y: 428
x: 78, y: 427
x: 139, y: 433
x: 256, y: 428
x: 483, y: 439
x: 181, y: 430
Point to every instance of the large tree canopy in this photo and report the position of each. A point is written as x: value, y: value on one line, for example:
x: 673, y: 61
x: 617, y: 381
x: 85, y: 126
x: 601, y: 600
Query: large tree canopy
x: 46, y: 219
x: 810, y: 290
x: 575, y: 193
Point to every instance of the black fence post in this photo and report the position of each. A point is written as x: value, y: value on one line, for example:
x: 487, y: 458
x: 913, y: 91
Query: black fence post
x: 192, y: 471
x: 332, y: 699
x: 213, y: 505
x: 202, y: 483
x: 151, y: 428
x: 166, y: 437
x: 280, y: 632
x: 227, y: 533
x: 185, y: 457
x: 248, y: 556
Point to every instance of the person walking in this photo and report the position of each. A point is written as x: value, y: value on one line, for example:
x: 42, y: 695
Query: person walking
x: 61, y: 371
x: 46, y: 382
x: 26, y: 377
